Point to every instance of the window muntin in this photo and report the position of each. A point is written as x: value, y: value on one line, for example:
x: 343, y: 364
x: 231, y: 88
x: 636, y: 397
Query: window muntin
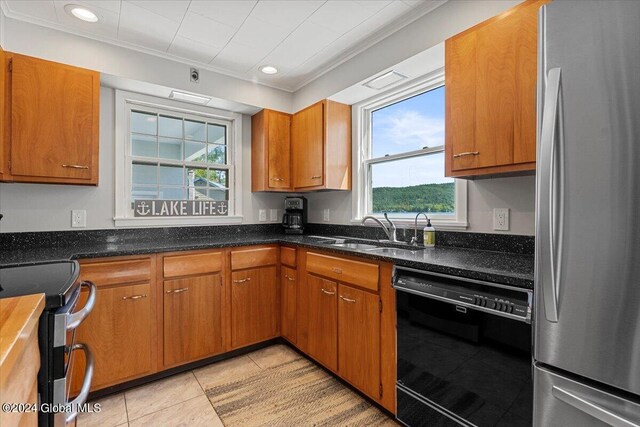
x: 405, y: 166
x: 176, y: 156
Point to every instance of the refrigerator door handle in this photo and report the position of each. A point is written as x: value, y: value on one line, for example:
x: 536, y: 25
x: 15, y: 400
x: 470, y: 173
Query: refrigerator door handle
x: 551, y: 193
x: 591, y: 408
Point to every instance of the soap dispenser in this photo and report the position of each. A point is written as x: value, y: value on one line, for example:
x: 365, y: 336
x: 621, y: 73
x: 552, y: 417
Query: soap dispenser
x: 429, y: 235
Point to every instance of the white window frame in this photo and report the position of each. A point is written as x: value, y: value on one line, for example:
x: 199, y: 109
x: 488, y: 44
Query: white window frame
x: 361, y: 116
x: 127, y: 101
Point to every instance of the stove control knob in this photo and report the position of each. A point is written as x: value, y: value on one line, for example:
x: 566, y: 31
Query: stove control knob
x: 491, y: 304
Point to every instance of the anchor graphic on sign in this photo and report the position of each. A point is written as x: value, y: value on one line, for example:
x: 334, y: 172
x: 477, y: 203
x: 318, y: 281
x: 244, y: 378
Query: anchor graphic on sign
x: 143, y: 209
x: 222, y: 208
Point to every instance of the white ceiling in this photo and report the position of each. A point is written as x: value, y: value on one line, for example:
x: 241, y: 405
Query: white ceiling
x: 302, y: 38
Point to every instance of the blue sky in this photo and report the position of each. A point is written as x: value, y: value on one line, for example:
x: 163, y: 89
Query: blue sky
x: 406, y: 126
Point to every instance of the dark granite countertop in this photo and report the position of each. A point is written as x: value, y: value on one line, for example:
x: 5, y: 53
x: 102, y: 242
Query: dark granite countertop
x: 500, y: 267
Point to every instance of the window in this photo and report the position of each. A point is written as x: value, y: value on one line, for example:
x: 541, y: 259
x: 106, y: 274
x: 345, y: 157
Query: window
x: 169, y: 151
x: 401, y: 168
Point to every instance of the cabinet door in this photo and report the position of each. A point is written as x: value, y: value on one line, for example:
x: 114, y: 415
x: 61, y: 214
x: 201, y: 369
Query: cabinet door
x: 289, y: 289
x: 279, y: 142
x: 192, y: 318
x: 254, y: 306
x: 120, y: 332
x: 359, y: 339
x: 308, y: 146
x: 54, y: 121
x: 323, y: 321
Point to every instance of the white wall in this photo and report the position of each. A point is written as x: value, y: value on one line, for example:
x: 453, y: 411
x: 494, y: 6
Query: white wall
x: 515, y: 193
x: 422, y: 34
x: 54, y: 45
x: 42, y: 207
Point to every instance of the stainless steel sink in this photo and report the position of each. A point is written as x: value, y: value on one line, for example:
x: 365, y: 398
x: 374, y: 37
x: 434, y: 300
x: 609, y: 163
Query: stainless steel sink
x: 392, y: 251
x: 358, y: 246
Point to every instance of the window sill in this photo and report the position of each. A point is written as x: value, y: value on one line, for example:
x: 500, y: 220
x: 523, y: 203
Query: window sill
x: 177, y: 221
x: 410, y: 223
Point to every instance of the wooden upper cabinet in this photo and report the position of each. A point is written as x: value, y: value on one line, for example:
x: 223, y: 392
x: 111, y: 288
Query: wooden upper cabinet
x: 54, y: 122
x: 490, y: 81
x: 321, y: 140
x: 271, y: 151
x: 192, y: 318
x: 4, y: 130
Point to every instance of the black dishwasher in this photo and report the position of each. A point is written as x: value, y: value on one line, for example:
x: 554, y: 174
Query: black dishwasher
x: 464, y: 351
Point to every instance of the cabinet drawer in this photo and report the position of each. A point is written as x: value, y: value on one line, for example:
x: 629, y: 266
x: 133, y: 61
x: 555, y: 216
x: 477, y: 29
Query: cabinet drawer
x: 288, y: 256
x: 362, y: 274
x: 116, y: 272
x: 186, y: 265
x: 250, y: 258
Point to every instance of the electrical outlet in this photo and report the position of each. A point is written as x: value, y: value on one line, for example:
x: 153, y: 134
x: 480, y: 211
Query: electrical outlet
x: 501, y: 219
x: 326, y: 215
x: 273, y: 214
x: 262, y: 215
x: 78, y: 218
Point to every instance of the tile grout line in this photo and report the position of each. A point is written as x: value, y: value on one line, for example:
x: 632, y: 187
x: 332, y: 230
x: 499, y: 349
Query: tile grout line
x: 126, y: 409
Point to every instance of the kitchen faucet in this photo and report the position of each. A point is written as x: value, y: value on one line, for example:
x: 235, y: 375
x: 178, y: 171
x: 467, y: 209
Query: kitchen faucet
x: 390, y: 231
x: 414, y: 239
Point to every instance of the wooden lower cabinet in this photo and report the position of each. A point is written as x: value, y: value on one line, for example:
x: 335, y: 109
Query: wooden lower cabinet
x: 120, y: 331
x: 192, y: 318
x: 359, y: 339
x: 288, y: 306
x: 254, y: 305
x: 323, y: 321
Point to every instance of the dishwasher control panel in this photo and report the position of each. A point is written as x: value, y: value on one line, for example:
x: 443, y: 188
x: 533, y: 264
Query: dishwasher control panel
x: 500, y: 299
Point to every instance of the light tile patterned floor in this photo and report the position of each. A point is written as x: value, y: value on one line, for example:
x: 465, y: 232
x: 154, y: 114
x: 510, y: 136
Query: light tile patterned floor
x: 180, y: 400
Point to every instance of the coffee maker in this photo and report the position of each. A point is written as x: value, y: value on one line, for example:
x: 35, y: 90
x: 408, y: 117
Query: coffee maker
x: 295, y: 215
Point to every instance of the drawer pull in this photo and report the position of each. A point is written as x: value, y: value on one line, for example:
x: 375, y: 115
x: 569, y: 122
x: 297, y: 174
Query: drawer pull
x: 347, y: 299
x: 327, y: 292
x: 75, y: 166
x: 248, y: 279
x: 466, y: 153
x: 135, y: 297
x: 289, y: 277
x: 177, y: 291
x: 316, y: 177
x: 277, y: 179
x: 336, y: 270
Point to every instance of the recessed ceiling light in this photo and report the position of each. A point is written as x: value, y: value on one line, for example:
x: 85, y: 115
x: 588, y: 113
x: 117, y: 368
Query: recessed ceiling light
x: 269, y: 69
x: 81, y: 12
x: 189, y: 97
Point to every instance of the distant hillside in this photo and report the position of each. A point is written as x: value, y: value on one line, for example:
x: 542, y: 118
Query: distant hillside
x: 418, y: 198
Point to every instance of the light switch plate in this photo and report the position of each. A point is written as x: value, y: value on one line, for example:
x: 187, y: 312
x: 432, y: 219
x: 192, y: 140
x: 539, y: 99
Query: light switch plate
x: 326, y: 215
x: 501, y: 219
x: 273, y: 214
x: 262, y: 215
x: 78, y: 218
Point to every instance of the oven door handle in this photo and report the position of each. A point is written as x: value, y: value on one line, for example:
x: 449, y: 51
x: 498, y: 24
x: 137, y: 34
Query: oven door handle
x: 81, y: 399
x: 76, y: 318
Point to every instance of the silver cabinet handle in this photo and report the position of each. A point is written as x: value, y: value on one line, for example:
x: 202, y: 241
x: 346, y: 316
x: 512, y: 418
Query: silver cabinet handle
x: 75, y: 166
x: 336, y: 270
x: 86, y: 384
x: 550, y: 193
x: 584, y: 405
x: 177, y: 291
x: 248, y: 279
x: 76, y: 318
x: 277, y: 179
x: 134, y: 297
x: 286, y: 276
x: 316, y: 177
x: 347, y: 299
x: 466, y: 153
x: 327, y: 292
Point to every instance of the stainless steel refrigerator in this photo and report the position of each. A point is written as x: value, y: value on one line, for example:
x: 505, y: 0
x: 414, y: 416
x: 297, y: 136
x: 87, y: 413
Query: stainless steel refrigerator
x: 587, y: 325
